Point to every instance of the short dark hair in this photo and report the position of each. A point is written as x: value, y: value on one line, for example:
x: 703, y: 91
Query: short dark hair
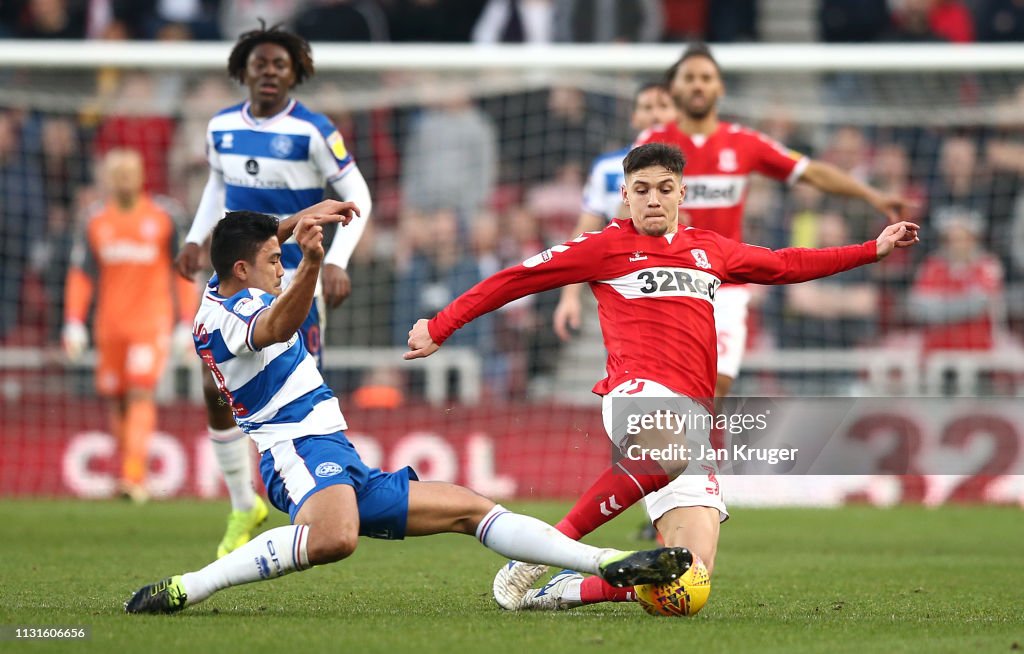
x: 692, y: 50
x: 238, y: 237
x: 645, y: 87
x: 297, y: 47
x: 654, y: 154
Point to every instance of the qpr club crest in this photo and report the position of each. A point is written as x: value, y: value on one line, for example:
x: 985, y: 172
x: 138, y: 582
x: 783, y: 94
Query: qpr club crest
x: 281, y: 146
x: 328, y: 469
x: 700, y: 257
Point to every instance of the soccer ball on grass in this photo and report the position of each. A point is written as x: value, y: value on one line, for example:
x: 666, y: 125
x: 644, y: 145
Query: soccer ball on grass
x: 680, y: 597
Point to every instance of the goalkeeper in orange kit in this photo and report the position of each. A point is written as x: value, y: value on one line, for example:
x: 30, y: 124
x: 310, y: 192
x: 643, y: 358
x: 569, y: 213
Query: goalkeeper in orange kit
x: 124, y: 257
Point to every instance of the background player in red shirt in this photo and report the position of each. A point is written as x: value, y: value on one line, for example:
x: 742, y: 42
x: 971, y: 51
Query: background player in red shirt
x: 656, y: 286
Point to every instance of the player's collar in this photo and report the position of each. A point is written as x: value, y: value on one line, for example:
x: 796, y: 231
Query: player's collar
x: 263, y: 123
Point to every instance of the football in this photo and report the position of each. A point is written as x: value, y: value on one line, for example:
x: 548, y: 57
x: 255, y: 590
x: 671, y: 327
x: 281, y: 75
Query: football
x: 682, y: 597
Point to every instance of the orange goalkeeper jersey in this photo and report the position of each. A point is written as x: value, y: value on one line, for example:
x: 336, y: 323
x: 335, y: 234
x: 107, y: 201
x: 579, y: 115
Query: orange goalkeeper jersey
x: 127, y: 255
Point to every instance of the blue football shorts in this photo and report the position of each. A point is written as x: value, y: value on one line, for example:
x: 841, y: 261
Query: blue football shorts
x: 293, y: 471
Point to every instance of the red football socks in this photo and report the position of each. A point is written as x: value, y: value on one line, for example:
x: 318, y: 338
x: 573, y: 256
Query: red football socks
x: 618, y: 488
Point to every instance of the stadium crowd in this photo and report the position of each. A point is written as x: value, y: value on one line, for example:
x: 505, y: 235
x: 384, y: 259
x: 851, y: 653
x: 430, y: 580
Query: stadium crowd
x: 466, y: 184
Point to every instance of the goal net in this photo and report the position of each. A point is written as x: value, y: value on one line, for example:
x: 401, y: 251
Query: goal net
x: 476, y: 159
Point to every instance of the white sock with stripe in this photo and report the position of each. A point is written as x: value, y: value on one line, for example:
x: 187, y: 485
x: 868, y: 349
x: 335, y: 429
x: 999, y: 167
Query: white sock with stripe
x: 522, y: 538
x: 234, y: 457
x: 272, y: 554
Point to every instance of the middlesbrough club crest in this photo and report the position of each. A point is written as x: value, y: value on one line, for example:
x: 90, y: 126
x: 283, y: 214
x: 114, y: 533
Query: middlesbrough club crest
x: 700, y: 257
x: 727, y: 160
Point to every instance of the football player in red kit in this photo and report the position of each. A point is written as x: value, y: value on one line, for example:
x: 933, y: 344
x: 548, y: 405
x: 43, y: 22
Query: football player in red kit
x: 656, y: 284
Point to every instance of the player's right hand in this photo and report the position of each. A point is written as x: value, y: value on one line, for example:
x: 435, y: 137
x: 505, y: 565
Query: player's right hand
x: 309, y: 234
x: 331, y: 211
x: 421, y: 343
x: 567, y: 314
x: 75, y: 339
x: 187, y: 263
x: 897, y: 235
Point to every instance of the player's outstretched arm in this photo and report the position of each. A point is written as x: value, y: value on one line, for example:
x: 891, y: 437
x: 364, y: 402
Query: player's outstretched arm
x: 830, y: 179
x: 286, y: 314
x: 750, y: 264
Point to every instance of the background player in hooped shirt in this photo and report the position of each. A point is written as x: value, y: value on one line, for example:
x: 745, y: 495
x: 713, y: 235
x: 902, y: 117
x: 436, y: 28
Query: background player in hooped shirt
x: 272, y: 155
x: 246, y: 334
x: 655, y: 285
x: 124, y: 259
x: 602, y: 194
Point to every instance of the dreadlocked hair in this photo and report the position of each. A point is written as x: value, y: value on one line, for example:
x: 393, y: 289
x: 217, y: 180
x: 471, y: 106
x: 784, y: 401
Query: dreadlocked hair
x: 297, y: 47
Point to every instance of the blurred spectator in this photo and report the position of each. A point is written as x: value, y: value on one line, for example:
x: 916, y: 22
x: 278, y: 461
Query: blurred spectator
x: 22, y: 202
x: 852, y: 21
x: 1001, y: 20
x: 65, y: 167
x: 445, y: 21
x: 931, y: 20
x: 451, y: 155
x: 957, y: 296
x: 439, y: 270
x: 342, y: 20
x: 960, y: 181
x: 515, y: 21
x: 607, y: 21
x: 849, y: 150
x: 890, y: 173
x: 840, y: 311
x: 50, y: 19
x: 239, y: 16
x: 119, y: 20
x: 565, y: 133
x: 138, y: 120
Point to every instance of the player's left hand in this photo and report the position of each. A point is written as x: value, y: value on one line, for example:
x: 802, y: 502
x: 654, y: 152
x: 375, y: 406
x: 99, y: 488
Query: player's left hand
x: 337, y: 285
x: 894, y: 207
x: 898, y: 235
x: 421, y: 343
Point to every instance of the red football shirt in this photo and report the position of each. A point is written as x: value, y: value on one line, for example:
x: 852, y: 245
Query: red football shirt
x: 718, y: 168
x: 655, y: 295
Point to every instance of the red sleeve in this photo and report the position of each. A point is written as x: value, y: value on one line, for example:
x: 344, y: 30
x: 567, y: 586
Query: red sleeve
x: 757, y: 265
x: 772, y: 159
x: 578, y: 260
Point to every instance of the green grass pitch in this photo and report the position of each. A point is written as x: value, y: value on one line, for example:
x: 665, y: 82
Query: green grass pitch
x: 795, y: 580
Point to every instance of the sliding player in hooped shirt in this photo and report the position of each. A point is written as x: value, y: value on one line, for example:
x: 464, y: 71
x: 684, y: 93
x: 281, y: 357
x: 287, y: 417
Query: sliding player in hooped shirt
x: 273, y: 155
x: 246, y: 332
x: 655, y: 284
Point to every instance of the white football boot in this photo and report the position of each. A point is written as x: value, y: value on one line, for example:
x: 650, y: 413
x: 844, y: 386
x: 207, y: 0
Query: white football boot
x: 562, y: 592
x: 513, y: 580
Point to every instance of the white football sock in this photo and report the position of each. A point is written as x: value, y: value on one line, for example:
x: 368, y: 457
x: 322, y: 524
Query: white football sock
x: 231, y: 448
x: 272, y: 554
x: 522, y: 538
